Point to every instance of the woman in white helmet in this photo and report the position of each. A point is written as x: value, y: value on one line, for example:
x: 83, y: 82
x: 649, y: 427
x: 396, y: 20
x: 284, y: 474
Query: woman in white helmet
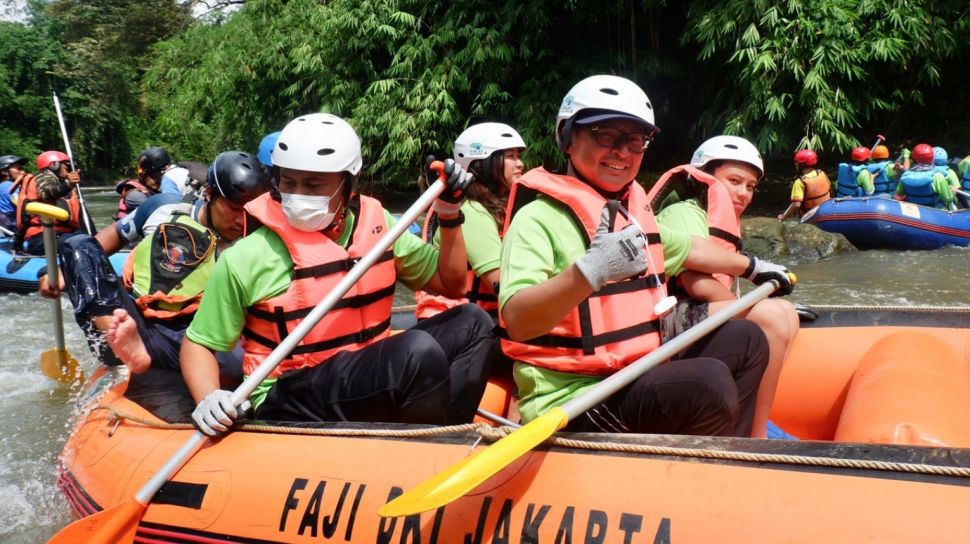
x: 492, y: 152
x: 583, y: 267
x: 348, y: 367
x: 706, y: 198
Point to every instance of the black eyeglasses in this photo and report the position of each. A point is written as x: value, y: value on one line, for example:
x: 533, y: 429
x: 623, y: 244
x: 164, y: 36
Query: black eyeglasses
x: 611, y: 137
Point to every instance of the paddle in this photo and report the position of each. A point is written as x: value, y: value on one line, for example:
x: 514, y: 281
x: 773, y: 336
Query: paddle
x: 89, y: 227
x: 879, y: 139
x: 56, y: 363
x: 462, y: 477
x: 119, y: 523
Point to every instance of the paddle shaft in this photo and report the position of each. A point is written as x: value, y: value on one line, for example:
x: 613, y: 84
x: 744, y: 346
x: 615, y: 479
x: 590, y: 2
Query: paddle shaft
x: 620, y: 379
x: 879, y: 139
x: 193, y: 444
x: 50, y: 251
x: 88, y: 223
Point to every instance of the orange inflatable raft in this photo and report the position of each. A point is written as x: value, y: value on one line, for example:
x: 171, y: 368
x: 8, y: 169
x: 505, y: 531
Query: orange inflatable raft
x: 883, y: 413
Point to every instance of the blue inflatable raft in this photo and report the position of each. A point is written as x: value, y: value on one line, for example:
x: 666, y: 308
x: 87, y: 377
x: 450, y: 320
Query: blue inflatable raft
x: 880, y: 222
x: 19, y: 272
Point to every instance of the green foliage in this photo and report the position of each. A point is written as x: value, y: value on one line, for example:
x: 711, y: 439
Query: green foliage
x: 409, y: 75
x: 27, y: 120
x: 822, y: 68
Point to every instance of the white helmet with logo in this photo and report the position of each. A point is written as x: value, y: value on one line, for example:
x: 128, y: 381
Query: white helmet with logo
x: 728, y: 148
x: 481, y: 140
x: 617, y: 96
x: 318, y: 142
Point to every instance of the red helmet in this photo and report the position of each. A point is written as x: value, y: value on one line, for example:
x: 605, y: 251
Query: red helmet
x: 806, y: 157
x: 48, y: 158
x: 923, y: 154
x: 860, y: 154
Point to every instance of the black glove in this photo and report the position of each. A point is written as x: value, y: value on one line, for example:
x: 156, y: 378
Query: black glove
x: 457, y: 180
x: 762, y: 271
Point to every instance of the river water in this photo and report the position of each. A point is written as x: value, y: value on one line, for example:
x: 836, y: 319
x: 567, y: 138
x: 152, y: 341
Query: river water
x: 36, y: 412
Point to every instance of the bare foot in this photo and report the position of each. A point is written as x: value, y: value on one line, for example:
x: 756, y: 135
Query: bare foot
x: 125, y: 342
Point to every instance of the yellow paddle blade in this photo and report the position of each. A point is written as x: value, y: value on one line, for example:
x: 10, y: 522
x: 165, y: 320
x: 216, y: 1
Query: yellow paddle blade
x: 116, y: 525
x: 57, y: 364
x: 462, y: 477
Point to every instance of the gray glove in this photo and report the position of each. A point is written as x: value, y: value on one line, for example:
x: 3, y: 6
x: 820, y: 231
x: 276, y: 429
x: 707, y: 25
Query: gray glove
x: 216, y: 413
x: 613, y: 256
x: 762, y: 271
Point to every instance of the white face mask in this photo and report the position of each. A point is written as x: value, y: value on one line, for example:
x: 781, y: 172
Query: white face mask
x: 308, y: 213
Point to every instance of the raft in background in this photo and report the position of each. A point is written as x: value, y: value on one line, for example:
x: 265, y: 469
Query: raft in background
x: 880, y: 222
x: 19, y: 272
x: 886, y: 410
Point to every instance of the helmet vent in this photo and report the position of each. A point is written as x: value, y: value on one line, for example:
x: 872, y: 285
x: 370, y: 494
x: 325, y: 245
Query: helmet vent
x: 326, y: 122
x: 324, y: 152
x: 730, y: 146
x: 283, y: 146
x: 609, y: 91
x: 506, y: 135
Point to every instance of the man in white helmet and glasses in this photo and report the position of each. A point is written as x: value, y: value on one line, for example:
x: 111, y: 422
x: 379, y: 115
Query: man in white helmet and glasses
x: 583, y: 270
x: 348, y: 368
x: 706, y: 198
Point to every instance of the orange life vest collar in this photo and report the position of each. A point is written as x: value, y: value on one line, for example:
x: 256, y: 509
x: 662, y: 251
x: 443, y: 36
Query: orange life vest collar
x: 361, y: 317
x: 602, y: 334
x: 723, y: 224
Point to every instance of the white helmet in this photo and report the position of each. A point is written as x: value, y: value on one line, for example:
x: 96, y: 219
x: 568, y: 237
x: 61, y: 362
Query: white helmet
x: 620, y: 97
x: 318, y: 142
x: 728, y: 148
x: 481, y: 140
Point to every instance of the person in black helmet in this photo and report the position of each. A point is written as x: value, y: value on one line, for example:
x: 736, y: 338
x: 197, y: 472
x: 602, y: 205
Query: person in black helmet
x: 11, y: 168
x: 151, y: 167
x: 177, y: 244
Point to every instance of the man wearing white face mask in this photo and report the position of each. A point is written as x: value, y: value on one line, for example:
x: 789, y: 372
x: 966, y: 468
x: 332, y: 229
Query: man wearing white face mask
x: 347, y: 368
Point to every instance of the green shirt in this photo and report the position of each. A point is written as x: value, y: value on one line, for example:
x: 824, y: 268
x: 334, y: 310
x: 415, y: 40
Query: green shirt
x: 864, y: 179
x: 259, y: 267
x: 483, y: 244
x: 685, y: 216
x: 544, y: 239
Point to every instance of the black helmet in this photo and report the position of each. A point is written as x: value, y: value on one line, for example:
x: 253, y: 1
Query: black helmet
x: 7, y: 161
x: 237, y: 176
x: 154, y: 159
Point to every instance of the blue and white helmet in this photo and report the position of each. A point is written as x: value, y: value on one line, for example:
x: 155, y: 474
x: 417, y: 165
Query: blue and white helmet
x: 940, y: 156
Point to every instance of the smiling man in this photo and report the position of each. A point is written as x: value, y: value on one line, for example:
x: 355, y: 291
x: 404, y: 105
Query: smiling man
x: 583, y: 270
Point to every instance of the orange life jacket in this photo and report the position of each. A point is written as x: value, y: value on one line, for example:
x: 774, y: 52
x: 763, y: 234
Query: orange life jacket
x: 723, y: 224
x: 476, y: 291
x: 614, y: 326
x: 361, y: 317
x: 817, y: 190
x: 30, y: 225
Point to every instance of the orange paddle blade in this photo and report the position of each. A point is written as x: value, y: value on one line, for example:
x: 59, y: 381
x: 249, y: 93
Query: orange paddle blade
x: 116, y: 525
x: 57, y: 364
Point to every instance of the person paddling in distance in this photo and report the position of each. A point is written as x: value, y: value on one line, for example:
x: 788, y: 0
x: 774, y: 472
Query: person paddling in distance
x: 176, y: 243
x: 11, y: 168
x: 54, y: 184
x: 707, y: 198
x: 348, y: 368
x: 923, y: 184
x: 151, y: 165
x: 812, y: 187
x: 583, y: 267
x: 492, y: 153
